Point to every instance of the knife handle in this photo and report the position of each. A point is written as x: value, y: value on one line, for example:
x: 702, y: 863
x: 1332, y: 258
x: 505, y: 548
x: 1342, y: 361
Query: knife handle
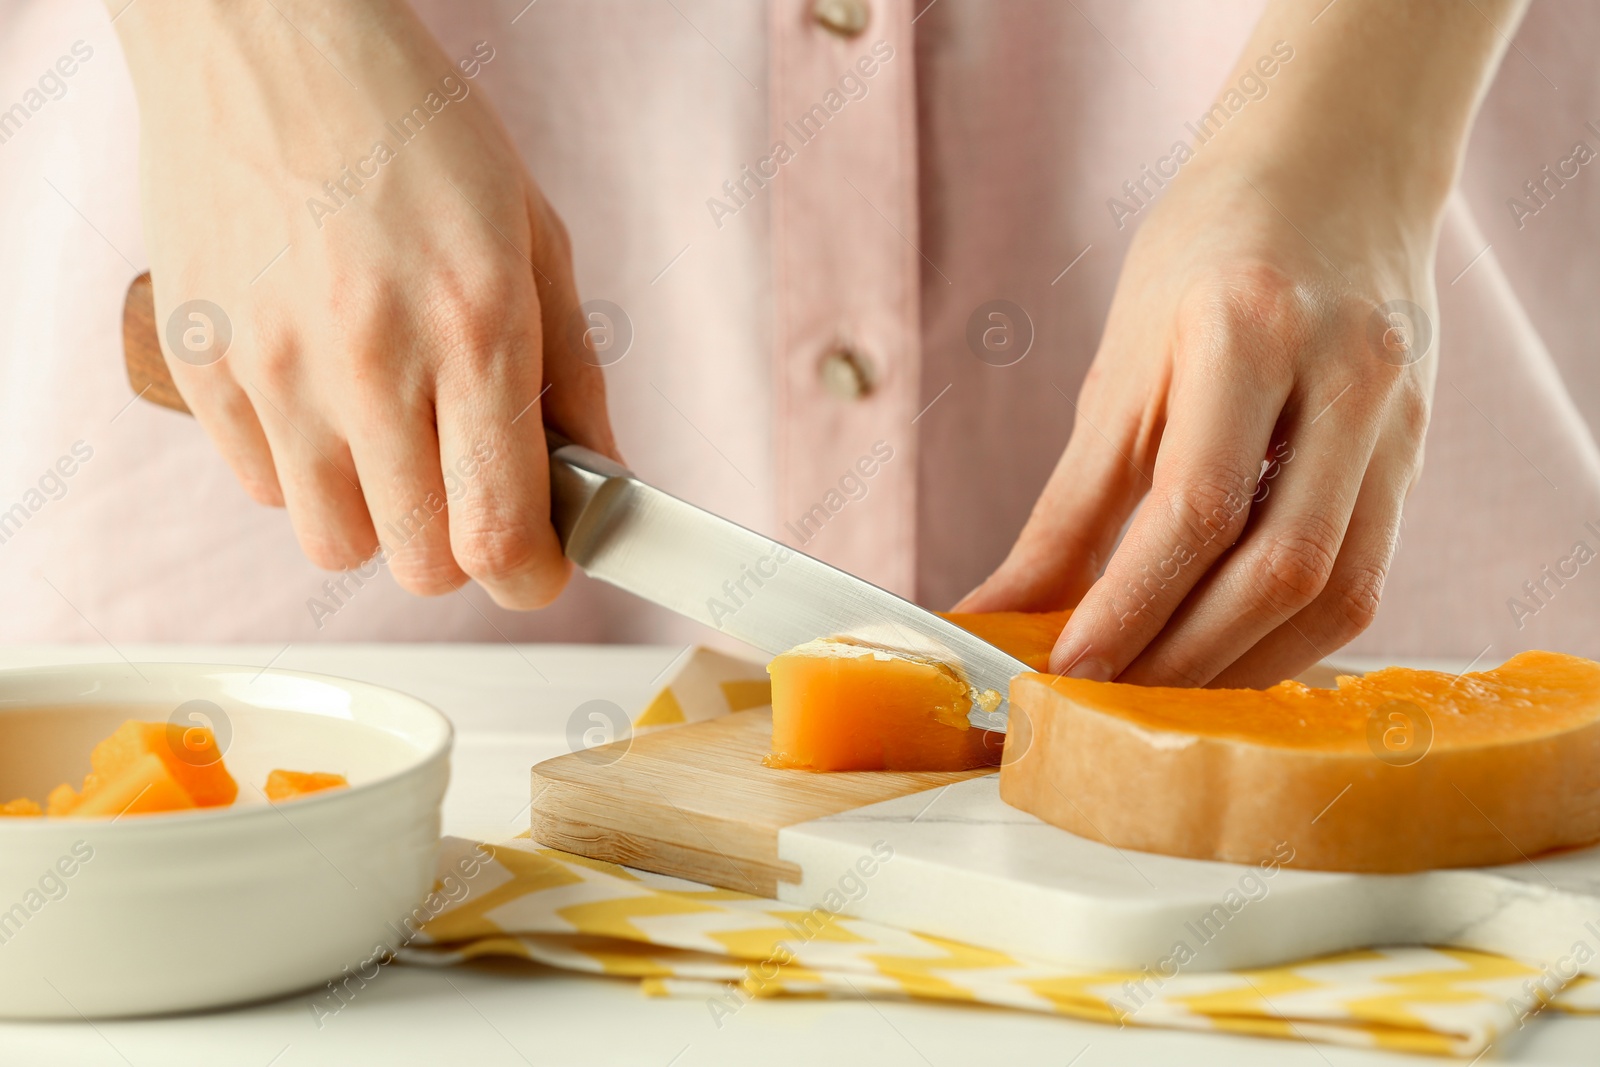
x: 141, y: 348
x: 577, y: 475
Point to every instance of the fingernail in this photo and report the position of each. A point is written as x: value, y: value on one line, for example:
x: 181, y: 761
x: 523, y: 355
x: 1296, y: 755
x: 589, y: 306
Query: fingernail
x: 1092, y: 670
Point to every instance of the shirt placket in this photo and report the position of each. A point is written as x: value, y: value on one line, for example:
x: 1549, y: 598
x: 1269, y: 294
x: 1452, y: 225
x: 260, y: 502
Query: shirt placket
x: 846, y: 274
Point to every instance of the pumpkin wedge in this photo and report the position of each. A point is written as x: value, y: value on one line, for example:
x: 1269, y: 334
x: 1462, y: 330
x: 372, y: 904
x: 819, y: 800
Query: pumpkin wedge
x: 1400, y: 770
x: 844, y: 706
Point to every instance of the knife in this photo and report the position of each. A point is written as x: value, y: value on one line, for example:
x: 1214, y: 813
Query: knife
x: 626, y: 532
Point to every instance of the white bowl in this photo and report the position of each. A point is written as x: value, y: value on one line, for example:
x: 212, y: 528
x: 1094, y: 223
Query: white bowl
x: 184, y: 910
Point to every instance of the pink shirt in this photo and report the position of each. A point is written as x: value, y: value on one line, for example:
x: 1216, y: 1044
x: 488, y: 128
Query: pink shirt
x: 804, y: 227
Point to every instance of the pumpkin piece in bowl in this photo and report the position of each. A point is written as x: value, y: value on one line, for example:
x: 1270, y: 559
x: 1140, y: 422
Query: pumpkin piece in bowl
x: 148, y: 767
x: 286, y: 785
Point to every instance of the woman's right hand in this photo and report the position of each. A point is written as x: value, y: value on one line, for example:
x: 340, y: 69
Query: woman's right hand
x: 399, y: 293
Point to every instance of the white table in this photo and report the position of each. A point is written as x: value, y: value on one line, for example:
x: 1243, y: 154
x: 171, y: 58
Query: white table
x: 510, y: 706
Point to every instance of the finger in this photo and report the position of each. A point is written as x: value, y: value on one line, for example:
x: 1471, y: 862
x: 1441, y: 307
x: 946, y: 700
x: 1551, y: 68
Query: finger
x: 1349, y: 602
x: 1301, y: 507
x: 325, y: 503
x: 575, y: 402
x: 1073, y: 526
x: 221, y: 406
x: 397, y: 458
x: 1223, y: 416
x: 499, y: 518
x: 225, y: 413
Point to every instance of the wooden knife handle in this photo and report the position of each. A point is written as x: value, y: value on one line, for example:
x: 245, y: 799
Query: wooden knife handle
x: 141, y: 348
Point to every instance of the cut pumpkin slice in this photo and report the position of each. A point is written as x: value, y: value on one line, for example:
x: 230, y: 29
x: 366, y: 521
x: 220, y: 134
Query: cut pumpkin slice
x: 843, y: 706
x: 1401, y: 770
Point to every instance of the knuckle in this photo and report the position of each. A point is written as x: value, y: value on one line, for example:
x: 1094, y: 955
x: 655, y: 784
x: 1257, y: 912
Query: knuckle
x: 426, y: 573
x: 368, y: 347
x: 1355, y: 600
x: 1414, y: 410
x: 495, y: 550
x: 1255, y: 307
x: 1295, y: 568
x: 1210, y: 506
x: 275, y: 367
x: 474, y: 320
x: 1185, y: 673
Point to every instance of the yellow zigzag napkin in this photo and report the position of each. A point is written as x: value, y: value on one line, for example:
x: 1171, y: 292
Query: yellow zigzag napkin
x: 685, y: 939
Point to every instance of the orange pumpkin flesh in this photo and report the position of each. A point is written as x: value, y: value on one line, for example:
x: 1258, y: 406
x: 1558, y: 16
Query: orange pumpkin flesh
x: 286, y: 785
x: 188, y: 753
x: 143, y: 784
x: 147, y: 767
x: 1027, y: 635
x: 1398, y: 771
x: 151, y: 766
x: 838, y: 706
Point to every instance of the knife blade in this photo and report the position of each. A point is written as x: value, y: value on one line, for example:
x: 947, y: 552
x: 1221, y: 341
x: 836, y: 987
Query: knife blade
x: 632, y: 535
x: 638, y: 538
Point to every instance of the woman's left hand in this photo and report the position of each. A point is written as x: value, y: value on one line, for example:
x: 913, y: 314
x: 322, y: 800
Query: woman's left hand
x: 1265, y: 376
x: 1268, y: 402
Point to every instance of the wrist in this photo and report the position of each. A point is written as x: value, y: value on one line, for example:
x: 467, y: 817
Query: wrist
x: 1360, y: 123
x: 296, y: 52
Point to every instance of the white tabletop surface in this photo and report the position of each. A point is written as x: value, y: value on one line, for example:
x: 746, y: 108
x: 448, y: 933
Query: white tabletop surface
x: 510, y: 706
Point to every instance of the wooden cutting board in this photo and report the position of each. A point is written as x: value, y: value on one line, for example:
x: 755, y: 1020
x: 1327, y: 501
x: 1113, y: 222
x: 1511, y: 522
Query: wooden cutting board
x: 696, y: 802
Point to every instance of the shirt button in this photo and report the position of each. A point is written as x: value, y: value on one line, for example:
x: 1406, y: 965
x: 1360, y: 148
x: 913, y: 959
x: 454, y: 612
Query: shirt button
x: 844, y: 17
x: 846, y: 374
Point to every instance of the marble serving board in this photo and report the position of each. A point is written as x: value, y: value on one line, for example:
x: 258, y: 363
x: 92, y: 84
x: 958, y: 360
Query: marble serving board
x: 969, y: 867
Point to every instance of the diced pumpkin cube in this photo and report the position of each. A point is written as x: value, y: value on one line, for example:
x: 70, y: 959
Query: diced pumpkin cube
x: 286, y: 785
x: 143, y: 784
x: 189, y: 753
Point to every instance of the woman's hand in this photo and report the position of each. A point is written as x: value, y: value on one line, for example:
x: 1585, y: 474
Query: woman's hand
x: 399, y: 293
x: 1264, y: 379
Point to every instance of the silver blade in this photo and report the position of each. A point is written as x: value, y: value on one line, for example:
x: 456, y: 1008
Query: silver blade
x: 638, y: 538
